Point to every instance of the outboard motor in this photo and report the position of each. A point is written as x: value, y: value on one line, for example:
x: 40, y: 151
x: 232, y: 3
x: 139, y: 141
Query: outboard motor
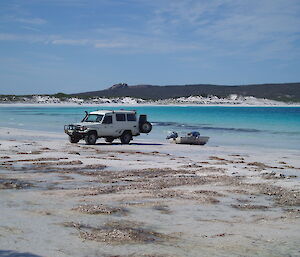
x: 194, y: 134
x: 172, y: 135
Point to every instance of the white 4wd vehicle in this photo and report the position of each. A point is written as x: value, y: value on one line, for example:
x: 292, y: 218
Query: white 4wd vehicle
x: 109, y: 125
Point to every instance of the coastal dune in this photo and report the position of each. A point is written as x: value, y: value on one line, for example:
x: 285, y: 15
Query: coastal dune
x: 145, y: 199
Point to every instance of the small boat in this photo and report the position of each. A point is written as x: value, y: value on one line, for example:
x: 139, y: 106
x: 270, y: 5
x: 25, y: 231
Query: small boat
x: 192, y: 138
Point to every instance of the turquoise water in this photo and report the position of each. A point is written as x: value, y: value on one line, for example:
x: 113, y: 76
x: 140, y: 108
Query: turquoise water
x: 270, y: 127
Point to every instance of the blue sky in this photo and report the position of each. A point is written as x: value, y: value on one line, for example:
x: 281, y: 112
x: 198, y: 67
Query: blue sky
x: 49, y: 46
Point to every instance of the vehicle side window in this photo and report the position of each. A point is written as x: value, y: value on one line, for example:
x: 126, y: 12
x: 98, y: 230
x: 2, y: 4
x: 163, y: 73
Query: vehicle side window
x: 120, y: 117
x: 99, y: 118
x: 131, y: 117
x: 107, y: 119
x: 93, y: 118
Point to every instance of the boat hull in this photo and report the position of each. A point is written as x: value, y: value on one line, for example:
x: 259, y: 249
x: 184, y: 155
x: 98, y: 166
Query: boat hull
x: 190, y: 140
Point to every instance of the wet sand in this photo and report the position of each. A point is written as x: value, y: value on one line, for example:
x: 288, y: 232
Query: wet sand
x: 145, y: 199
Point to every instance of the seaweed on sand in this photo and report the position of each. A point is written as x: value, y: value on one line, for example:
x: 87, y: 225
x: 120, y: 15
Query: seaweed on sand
x: 216, y: 158
x: 13, y: 184
x: 5, y: 157
x: 186, y: 195
x: 75, y: 167
x: 209, y: 193
x: 100, y: 209
x: 155, y: 184
x: 120, y: 232
x: 153, y: 180
x: 30, y: 152
x: 282, y: 196
x: 260, y: 165
x: 36, y: 160
x: 249, y: 207
x: 164, y: 209
x: 78, y: 162
x: 142, y: 255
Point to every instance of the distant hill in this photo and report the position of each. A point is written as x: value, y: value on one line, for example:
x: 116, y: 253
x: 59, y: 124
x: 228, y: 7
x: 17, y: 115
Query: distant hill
x: 280, y: 92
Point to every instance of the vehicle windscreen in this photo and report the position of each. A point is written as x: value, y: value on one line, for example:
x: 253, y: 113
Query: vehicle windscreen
x: 93, y: 118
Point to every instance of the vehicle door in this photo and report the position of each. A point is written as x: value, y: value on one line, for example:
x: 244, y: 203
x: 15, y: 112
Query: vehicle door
x: 132, y: 123
x: 120, y: 124
x: 107, y: 126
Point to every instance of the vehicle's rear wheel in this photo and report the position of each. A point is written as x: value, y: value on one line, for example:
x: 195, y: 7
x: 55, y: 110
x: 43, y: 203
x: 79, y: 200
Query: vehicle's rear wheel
x: 146, y: 127
x: 73, y: 139
x: 109, y: 139
x: 126, y: 137
x: 90, y: 138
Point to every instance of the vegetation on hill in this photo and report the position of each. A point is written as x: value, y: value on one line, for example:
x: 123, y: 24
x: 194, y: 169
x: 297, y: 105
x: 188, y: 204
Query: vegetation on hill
x: 288, y: 92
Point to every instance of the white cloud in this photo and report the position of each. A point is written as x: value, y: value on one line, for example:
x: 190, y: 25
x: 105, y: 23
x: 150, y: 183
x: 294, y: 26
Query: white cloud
x: 32, y: 21
x: 109, y: 45
x: 31, y: 28
x: 27, y: 38
x: 73, y: 42
x: 257, y: 29
x: 232, y: 26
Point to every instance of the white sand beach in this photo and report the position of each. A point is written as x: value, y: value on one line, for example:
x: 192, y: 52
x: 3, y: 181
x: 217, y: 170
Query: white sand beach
x: 232, y: 100
x: 145, y: 199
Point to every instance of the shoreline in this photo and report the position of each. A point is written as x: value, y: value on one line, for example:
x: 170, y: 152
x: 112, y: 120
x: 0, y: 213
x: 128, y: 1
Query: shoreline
x: 35, y: 133
x: 137, y: 105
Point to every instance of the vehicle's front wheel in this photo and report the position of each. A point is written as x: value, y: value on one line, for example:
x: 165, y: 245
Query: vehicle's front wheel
x: 126, y: 137
x: 90, y: 138
x: 73, y: 140
x: 109, y: 139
